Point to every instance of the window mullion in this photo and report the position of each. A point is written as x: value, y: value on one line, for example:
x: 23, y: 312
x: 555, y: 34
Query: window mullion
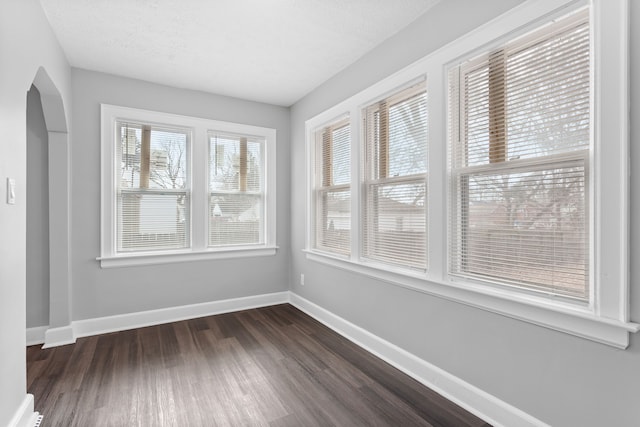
x: 356, y: 206
x: 199, y: 189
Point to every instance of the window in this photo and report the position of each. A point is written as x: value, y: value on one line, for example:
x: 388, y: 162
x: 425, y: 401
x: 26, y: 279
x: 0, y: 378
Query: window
x: 395, y: 179
x: 161, y: 203
x: 521, y: 130
x: 521, y: 204
x: 332, y: 231
x: 152, y: 195
x: 235, y: 185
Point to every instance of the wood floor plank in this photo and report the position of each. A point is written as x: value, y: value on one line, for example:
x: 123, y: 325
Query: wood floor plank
x: 273, y: 367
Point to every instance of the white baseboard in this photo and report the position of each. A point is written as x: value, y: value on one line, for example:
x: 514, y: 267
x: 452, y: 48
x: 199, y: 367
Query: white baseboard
x: 482, y: 404
x: 102, y: 325
x: 54, y: 337
x: 25, y: 415
x: 36, y: 334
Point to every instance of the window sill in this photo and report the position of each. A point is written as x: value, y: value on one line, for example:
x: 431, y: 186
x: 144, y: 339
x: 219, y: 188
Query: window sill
x: 149, y: 258
x: 564, y: 317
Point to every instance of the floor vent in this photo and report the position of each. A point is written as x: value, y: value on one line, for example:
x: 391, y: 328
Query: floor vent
x: 38, y: 421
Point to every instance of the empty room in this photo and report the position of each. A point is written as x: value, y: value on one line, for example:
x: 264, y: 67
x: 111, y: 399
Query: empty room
x: 319, y: 213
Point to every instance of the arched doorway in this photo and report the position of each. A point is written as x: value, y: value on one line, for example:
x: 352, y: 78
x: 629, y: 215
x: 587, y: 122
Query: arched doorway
x: 59, y: 330
x: 37, y: 199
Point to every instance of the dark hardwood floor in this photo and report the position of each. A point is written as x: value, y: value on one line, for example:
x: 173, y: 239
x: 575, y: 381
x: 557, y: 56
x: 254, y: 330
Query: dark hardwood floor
x: 272, y: 366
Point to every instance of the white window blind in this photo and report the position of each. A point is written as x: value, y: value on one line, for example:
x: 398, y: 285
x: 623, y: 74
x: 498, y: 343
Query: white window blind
x: 332, y: 228
x: 236, y: 196
x: 395, y: 181
x: 153, y: 197
x: 520, y: 130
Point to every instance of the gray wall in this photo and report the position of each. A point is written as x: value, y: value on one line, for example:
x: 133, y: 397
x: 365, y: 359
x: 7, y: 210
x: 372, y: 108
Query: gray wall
x: 37, y: 213
x: 27, y: 45
x: 100, y: 292
x: 558, y: 378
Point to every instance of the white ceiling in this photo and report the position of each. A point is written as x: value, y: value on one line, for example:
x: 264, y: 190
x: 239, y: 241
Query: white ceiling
x: 273, y: 51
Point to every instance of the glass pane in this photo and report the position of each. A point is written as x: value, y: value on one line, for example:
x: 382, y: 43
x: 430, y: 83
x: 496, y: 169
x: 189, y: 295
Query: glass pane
x: 334, y: 217
x: 226, y: 158
x: 548, y: 96
x: 526, y: 228
x: 235, y: 219
x: 541, y: 102
x: 152, y: 221
x: 395, y: 230
x: 408, y: 136
x: 167, y: 167
x: 341, y: 156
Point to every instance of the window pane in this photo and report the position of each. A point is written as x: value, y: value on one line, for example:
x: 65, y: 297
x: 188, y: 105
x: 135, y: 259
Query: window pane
x: 235, y: 219
x: 341, y: 155
x: 534, y: 93
x: 332, y: 203
x: 235, y: 181
x: 526, y: 229
x: 408, y: 136
x: 167, y: 166
x: 153, y: 159
x: 152, y: 221
x: 234, y: 163
x: 548, y: 100
x: 395, y: 186
x: 334, y: 217
x: 395, y: 229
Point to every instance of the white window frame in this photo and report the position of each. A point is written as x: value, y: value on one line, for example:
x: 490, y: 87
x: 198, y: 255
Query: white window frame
x: 199, y: 176
x: 319, y: 187
x: 606, y: 319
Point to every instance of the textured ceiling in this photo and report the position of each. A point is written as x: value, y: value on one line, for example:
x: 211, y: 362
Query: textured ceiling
x: 272, y: 51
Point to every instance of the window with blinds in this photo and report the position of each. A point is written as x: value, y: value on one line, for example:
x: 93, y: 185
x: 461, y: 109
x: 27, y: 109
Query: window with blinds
x: 236, y: 197
x: 395, y: 179
x: 332, y: 225
x: 520, y: 132
x: 153, y: 197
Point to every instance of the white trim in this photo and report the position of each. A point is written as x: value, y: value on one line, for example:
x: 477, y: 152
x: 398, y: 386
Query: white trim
x: 127, y: 260
x: 480, y: 403
x: 55, y: 337
x: 612, y: 171
x: 36, y: 335
x: 24, y: 415
x: 121, y: 322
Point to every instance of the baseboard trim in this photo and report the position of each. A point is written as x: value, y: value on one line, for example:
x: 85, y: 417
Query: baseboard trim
x: 102, y: 325
x: 54, y: 337
x: 25, y: 415
x: 36, y: 335
x: 482, y: 404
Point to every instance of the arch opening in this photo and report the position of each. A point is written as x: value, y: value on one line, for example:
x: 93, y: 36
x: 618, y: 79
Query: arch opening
x: 58, y: 331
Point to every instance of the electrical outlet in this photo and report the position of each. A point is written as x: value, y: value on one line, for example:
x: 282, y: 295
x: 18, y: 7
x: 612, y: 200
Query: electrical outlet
x: 302, y: 279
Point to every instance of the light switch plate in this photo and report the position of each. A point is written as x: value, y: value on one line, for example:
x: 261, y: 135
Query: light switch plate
x: 11, y: 191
